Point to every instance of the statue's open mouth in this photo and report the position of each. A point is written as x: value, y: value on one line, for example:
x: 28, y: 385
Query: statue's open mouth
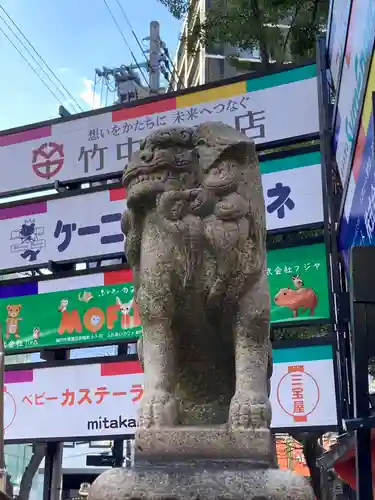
x: 155, y: 177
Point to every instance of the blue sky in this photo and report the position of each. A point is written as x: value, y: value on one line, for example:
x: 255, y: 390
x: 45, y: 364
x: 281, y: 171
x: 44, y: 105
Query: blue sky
x: 74, y: 37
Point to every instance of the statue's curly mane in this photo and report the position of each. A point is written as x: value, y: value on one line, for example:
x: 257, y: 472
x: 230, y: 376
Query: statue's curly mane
x: 220, y: 208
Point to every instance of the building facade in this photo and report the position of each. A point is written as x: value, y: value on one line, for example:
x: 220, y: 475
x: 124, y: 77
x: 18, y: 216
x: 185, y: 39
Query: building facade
x: 195, y: 64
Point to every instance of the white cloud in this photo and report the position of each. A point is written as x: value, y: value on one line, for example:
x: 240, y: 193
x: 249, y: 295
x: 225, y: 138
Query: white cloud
x: 89, y: 96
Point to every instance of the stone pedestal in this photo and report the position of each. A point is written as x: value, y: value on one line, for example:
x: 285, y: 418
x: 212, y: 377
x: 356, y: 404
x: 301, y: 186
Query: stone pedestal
x: 202, y: 463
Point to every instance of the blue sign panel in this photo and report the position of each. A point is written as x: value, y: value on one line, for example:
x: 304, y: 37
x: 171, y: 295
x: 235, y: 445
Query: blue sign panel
x: 358, y: 221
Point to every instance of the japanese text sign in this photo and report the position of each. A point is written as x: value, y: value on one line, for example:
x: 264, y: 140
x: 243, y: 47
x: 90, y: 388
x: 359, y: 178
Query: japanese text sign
x: 88, y: 225
x: 91, y: 308
x: 337, y: 37
x: 298, y: 283
x: 98, y: 400
x: 99, y: 308
x: 357, y: 227
x: 72, y: 401
x: 358, y: 53
x: 303, y: 387
x: 62, y: 229
x: 292, y: 189
x: 102, y: 142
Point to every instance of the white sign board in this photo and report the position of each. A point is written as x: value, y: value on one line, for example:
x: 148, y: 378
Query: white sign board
x: 268, y: 108
x: 88, y: 225
x: 303, y: 387
x: 358, y: 53
x: 70, y: 402
x: 337, y: 37
x: 62, y: 229
x: 99, y: 400
x: 292, y: 188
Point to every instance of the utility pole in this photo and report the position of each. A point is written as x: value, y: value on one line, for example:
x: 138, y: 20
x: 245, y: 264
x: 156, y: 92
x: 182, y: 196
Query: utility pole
x: 154, y: 67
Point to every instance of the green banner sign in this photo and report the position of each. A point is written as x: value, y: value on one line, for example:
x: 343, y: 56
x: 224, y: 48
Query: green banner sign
x: 298, y: 283
x: 65, y: 313
x: 65, y: 318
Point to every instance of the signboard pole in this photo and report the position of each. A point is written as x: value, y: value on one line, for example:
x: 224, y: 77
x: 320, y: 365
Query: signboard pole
x: 3, y: 472
x: 362, y: 296
x: 118, y: 452
x: 118, y: 444
x: 339, y: 320
x: 53, y: 473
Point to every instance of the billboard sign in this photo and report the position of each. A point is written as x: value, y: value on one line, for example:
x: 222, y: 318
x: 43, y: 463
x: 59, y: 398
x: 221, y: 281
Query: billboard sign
x: 65, y: 228
x: 298, y: 283
x: 101, y: 143
x: 337, y: 37
x: 292, y: 188
x: 85, y: 309
x: 93, y: 400
x: 358, y: 53
x: 303, y: 387
x: 101, y: 400
x: 62, y: 229
x: 100, y: 308
x: 357, y: 226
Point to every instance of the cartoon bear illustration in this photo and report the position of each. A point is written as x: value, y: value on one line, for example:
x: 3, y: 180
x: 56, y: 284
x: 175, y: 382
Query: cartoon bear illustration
x: 12, y: 320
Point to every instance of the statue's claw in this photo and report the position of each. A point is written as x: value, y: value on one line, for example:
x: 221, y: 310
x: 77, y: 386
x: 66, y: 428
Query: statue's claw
x: 249, y: 410
x: 159, y: 409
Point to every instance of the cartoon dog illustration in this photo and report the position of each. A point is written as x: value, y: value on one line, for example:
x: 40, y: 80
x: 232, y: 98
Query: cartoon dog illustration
x: 125, y: 308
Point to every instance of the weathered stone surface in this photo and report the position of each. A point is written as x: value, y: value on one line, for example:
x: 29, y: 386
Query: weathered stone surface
x: 213, y: 481
x: 186, y: 443
x: 196, y: 240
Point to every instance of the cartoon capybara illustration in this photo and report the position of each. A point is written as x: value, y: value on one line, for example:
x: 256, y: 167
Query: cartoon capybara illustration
x: 12, y: 320
x: 303, y: 298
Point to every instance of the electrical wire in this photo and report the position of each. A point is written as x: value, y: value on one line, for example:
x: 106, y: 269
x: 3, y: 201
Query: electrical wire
x: 40, y: 57
x: 30, y: 65
x: 126, y: 43
x: 133, y: 32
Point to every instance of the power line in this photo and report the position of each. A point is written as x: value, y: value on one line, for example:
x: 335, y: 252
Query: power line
x: 37, y: 63
x: 30, y: 65
x: 40, y: 57
x: 131, y: 29
x: 126, y: 42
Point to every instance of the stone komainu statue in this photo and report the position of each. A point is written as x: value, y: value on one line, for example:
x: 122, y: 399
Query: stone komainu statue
x: 196, y: 241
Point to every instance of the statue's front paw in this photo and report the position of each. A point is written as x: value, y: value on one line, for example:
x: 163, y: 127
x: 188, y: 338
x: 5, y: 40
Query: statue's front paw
x: 159, y: 408
x: 249, y: 410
